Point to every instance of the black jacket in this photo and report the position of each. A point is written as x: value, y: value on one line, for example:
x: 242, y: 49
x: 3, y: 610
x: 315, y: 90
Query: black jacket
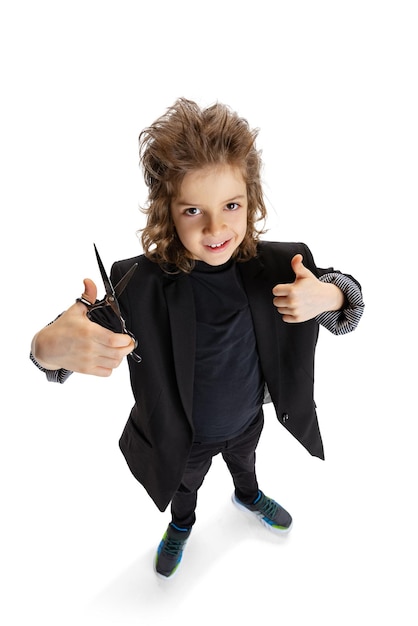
x: 159, y: 310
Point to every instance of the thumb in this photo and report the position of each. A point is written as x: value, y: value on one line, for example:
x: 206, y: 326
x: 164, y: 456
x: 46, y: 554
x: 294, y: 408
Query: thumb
x: 90, y: 290
x: 298, y: 267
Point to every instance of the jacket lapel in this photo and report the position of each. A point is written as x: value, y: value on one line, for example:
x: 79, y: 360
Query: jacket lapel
x: 260, y: 299
x: 181, y: 310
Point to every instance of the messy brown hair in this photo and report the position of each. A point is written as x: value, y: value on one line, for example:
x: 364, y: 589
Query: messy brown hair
x: 184, y: 139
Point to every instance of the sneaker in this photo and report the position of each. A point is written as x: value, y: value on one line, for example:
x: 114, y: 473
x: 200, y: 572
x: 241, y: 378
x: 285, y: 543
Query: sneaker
x: 170, y: 550
x: 268, y: 512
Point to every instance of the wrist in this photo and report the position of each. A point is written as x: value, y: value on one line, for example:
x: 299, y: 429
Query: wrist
x: 334, y: 297
x: 40, y: 351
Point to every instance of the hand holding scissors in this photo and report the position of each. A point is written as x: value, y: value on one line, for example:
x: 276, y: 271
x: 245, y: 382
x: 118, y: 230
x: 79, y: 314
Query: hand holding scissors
x: 99, y: 311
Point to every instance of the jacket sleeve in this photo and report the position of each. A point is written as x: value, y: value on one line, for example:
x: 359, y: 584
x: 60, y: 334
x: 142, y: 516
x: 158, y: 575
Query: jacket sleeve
x: 346, y: 319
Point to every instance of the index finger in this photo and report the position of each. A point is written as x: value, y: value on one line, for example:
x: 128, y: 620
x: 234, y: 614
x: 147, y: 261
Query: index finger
x: 112, y: 339
x: 281, y: 289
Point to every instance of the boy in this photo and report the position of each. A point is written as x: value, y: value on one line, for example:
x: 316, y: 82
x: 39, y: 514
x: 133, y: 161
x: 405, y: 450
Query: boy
x: 221, y: 318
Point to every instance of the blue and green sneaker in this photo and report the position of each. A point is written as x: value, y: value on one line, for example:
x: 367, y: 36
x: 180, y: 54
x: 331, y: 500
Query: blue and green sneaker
x: 170, y: 550
x: 268, y: 512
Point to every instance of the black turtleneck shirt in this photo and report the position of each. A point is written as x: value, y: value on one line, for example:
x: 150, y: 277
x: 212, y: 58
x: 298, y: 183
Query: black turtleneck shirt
x: 228, y: 384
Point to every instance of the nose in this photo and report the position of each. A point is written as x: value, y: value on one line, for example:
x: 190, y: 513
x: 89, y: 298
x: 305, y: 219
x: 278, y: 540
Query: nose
x: 214, y: 224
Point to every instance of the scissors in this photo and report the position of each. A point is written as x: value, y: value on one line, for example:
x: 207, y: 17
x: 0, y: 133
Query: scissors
x: 99, y: 313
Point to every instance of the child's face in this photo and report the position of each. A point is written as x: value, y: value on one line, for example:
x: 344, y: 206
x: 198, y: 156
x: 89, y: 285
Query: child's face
x: 210, y: 213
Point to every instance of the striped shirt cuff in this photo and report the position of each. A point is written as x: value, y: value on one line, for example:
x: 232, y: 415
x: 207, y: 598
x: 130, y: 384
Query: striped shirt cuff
x: 346, y: 320
x: 53, y: 376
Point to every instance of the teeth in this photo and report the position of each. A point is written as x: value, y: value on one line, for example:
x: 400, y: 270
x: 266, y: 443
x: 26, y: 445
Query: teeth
x: 216, y: 245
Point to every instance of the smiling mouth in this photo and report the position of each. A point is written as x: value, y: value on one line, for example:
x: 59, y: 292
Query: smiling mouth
x: 217, y: 246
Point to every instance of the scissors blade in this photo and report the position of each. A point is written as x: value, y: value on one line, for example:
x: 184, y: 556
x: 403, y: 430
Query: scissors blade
x: 120, y: 287
x: 108, y: 285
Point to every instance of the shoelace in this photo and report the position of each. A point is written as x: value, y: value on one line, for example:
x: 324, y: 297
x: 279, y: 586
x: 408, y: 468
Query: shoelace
x: 173, y: 546
x: 269, y: 508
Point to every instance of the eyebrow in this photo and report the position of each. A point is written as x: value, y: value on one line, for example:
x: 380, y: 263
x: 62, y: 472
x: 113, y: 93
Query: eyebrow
x: 182, y: 203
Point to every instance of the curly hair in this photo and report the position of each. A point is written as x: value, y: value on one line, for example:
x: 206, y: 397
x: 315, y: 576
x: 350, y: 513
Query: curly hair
x: 187, y: 138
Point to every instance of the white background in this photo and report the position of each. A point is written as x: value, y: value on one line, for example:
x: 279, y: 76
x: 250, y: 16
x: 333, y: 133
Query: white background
x: 333, y: 87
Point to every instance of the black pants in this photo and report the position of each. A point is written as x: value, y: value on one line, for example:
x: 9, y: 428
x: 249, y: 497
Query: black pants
x: 239, y: 456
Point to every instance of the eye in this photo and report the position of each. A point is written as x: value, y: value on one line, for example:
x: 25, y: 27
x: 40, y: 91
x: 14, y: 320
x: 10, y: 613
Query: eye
x: 232, y: 206
x: 192, y: 211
